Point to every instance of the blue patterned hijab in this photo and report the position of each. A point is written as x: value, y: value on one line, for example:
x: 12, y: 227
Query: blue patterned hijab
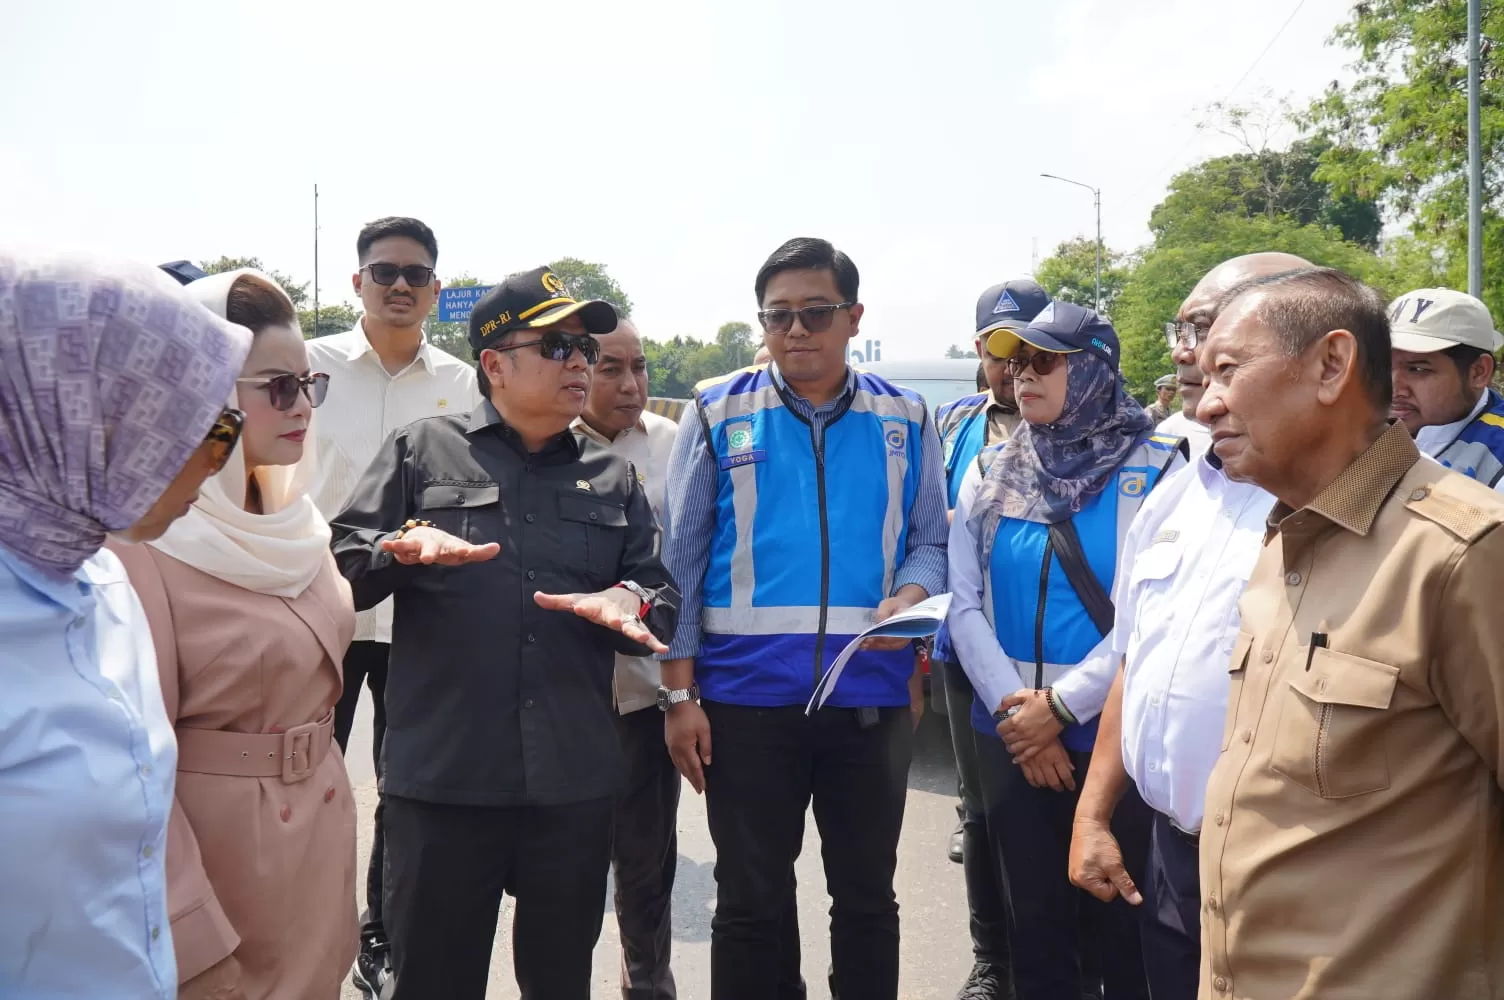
x: 1047, y: 472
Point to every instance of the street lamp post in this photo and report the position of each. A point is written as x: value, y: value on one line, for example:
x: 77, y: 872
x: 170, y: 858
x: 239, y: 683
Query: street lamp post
x: 1474, y: 155
x: 1097, y: 195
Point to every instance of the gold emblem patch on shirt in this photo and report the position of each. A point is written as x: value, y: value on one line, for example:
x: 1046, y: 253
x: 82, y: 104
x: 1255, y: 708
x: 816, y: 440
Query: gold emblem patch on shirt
x: 1168, y: 535
x: 443, y: 404
x: 581, y: 484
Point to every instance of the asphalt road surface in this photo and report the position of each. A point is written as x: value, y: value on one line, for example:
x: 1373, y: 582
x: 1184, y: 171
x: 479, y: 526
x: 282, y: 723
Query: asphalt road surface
x: 936, y: 949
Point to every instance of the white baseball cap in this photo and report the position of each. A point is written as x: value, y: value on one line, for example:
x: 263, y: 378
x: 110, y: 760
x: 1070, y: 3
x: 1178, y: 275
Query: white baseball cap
x: 1433, y: 319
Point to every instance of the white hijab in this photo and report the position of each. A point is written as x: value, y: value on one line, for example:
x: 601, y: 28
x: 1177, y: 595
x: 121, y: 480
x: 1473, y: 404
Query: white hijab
x: 278, y: 552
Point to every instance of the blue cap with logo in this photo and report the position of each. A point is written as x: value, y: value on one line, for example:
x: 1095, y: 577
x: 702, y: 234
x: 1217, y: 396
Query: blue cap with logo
x: 1008, y: 307
x: 1066, y: 328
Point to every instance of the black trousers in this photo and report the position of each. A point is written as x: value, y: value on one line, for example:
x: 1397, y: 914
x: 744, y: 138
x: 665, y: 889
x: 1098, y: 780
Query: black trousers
x: 1053, y: 926
x: 1172, y: 913
x: 365, y: 662
x: 645, y: 854
x: 984, y: 884
x: 767, y: 766
x: 446, y: 870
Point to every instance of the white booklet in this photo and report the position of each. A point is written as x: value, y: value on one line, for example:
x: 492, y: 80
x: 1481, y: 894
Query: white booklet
x: 923, y: 619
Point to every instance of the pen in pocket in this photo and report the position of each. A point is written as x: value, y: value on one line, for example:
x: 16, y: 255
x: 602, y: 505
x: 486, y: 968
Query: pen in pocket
x: 1318, y: 641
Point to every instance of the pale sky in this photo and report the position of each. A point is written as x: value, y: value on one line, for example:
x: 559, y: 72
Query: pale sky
x: 677, y: 142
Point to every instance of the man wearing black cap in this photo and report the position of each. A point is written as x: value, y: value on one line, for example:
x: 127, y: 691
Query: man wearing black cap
x: 966, y: 427
x: 501, y: 758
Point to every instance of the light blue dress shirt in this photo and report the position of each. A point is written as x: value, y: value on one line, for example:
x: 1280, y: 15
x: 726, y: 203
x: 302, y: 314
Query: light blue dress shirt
x: 87, y: 762
x: 1189, y: 554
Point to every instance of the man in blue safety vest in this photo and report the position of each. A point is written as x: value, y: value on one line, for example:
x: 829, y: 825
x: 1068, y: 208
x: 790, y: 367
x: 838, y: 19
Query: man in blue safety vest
x: 966, y: 427
x: 805, y: 501
x: 1442, y: 365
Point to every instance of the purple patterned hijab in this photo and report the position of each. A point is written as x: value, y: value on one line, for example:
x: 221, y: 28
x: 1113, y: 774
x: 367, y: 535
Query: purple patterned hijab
x: 110, y: 378
x: 1047, y: 472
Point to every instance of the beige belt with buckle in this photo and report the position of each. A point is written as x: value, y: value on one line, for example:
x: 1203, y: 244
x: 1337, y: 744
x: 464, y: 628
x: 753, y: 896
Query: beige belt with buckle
x: 291, y: 756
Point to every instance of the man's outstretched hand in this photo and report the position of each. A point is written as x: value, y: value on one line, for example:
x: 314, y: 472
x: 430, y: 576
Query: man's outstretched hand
x: 432, y: 547
x: 615, y: 609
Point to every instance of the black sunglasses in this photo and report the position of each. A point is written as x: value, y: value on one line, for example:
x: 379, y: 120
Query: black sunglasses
x: 814, y: 319
x: 223, y: 436
x: 556, y: 346
x: 1043, y: 363
x: 416, y: 275
x: 283, y: 389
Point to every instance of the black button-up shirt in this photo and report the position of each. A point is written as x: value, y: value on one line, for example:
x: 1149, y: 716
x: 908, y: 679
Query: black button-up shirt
x: 490, y: 699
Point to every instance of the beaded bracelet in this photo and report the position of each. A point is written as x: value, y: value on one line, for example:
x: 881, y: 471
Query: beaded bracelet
x: 1057, y: 708
x: 411, y: 524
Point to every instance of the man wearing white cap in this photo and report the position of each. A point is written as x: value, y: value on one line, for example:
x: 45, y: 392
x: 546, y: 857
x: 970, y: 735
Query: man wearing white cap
x: 1442, y: 362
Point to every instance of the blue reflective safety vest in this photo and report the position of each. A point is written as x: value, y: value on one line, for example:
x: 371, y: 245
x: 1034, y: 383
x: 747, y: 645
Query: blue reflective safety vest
x: 962, y: 426
x: 1047, y: 646
x: 808, y: 537
x: 1478, y: 452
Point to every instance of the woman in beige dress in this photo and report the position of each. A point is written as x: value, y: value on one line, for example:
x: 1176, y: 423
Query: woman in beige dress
x: 251, y: 620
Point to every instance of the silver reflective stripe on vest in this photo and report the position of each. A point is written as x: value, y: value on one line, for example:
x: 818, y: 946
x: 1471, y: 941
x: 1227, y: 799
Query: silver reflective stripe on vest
x: 784, y: 621
x: 887, y: 406
x: 1472, y: 458
x: 744, y: 506
x: 894, y: 516
x: 740, y: 404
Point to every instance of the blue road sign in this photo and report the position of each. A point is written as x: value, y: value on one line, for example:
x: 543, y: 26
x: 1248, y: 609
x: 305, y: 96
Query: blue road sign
x: 455, y: 303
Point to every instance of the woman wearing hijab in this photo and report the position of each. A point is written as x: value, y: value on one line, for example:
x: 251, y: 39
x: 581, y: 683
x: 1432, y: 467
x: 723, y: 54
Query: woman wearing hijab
x: 251, y: 621
x: 112, y: 413
x: 1033, y: 552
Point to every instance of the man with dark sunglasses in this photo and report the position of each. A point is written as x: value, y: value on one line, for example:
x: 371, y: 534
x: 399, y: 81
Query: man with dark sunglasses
x: 502, y: 763
x: 805, y: 501
x: 385, y: 376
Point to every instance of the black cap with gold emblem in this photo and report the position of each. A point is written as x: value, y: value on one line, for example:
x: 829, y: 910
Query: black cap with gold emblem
x: 529, y: 300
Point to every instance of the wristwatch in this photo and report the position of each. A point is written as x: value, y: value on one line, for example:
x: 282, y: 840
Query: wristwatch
x: 668, y: 699
x: 642, y: 595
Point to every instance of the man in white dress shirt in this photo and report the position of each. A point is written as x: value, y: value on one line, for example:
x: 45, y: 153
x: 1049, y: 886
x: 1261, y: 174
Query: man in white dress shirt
x: 1188, y: 556
x: 644, y: 844
x: 383, y: 375
x: 1442, y: 366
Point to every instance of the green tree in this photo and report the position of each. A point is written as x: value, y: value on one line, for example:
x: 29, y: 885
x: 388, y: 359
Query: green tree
x: 1167, y: 273
x: 1398, y: 132
x: 295, y: 291
x: 736, y: 343
x: 1069, y: 274
x: 330, y: 319
x: 959, y: 351
x: 584, y: 280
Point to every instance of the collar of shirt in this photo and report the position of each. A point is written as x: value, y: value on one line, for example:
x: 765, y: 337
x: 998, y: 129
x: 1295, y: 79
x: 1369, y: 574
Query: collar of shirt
x: 1434, y: 439
x: 782, y: 383
x: 1352, y: 500
x: 69, y: 593
x: 993, y: 403
x: 583, y: 426
x: 360, y: 346
x: 560, y: 449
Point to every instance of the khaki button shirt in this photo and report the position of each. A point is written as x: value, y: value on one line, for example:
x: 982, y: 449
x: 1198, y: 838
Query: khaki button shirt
x: 1353, y: 845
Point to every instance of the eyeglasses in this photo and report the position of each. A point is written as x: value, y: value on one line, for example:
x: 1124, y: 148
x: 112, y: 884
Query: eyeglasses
x: 416, y: 275
x: 223, y: 436
x: 1188, y: 334
x: 814, y: 319
x: 556, y: 346
x: 283, y: 389
x: 1043, y: 363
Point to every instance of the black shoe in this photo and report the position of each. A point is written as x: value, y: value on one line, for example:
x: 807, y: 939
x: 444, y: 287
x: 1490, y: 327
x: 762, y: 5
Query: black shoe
x: 373, y: 968
x: 986, y: 982
x: 956, y: 840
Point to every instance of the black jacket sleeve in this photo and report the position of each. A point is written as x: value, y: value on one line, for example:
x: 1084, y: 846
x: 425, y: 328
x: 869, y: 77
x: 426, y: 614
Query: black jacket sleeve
x: 640, y: 564
x: 382, y: 502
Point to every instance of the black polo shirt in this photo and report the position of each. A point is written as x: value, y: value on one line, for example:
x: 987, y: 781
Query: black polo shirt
x: 491, y: 700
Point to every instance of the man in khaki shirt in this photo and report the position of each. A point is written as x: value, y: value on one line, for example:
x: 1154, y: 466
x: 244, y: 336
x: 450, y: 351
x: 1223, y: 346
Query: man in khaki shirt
x: 1353, y: 845
x: 645, y: 848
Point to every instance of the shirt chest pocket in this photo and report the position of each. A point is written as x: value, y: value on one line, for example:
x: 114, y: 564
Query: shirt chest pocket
x: 1332, y: 723
x: 471, y: 511
x: 593, y: 533
x: 1150, y: 583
